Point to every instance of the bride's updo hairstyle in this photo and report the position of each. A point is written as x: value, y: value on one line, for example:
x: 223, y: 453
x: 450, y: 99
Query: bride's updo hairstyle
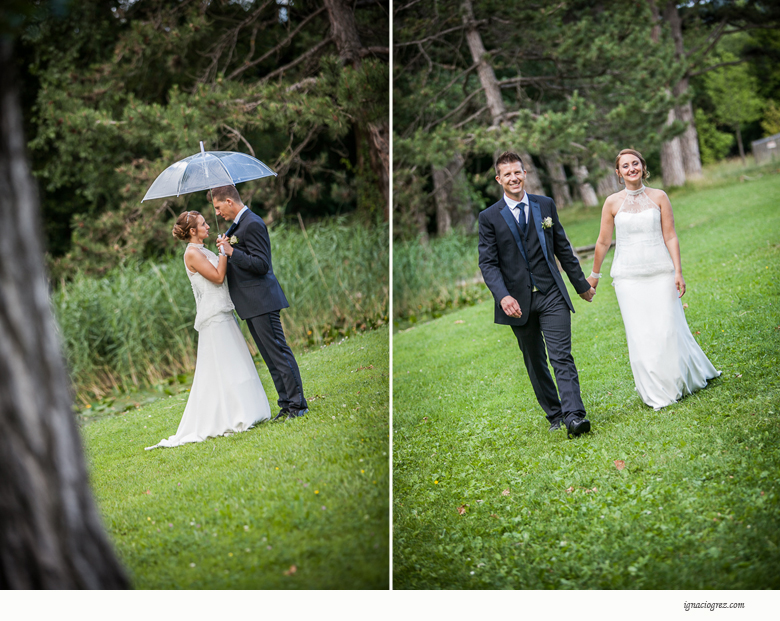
x: 185, y: 223
x: 645, y: 174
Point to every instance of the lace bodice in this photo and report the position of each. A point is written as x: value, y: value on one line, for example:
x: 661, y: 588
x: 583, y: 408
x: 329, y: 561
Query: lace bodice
x: 640, y: 250
x: 212, y: 301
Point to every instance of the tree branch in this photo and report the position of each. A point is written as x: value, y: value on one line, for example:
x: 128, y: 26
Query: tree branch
x: 217, y: 50
x: 306, y: 82
x: 473, y: 116
x: 406, y: 6
x: 439, y: 34
x: 247, y: 64
x: 240, y: 137
x: 375, y: 49
x: 711, y: 40
x: 733, y: 62
x: 455, y: 111
x: 284, y: 168
x: 300, y: 59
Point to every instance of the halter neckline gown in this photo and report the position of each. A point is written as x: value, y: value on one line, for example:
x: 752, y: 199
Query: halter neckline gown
x: 666, y: 360
x: 226, y: 394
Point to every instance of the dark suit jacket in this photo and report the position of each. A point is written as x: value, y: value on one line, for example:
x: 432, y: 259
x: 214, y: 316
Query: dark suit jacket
x: 253, y: 286
x: 502, y: 255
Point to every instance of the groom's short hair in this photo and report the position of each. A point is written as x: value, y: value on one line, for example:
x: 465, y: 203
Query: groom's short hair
x: 507, y: 157
x: 224, y: 192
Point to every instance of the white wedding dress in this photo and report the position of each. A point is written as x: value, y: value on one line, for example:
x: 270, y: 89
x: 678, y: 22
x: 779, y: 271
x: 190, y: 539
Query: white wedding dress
x: 666, y: 360
x: 226, y: 394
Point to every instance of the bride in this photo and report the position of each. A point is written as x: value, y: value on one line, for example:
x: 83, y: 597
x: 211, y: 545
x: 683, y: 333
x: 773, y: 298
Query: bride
x: 226, y: 394
x: 666, y: 360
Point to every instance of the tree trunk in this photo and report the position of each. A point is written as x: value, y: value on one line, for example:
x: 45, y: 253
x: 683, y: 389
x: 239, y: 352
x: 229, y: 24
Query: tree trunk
x: 689, y: 141
x: 560, y: 188
x: 533, y: 182
x: 608, y: 184
x: 380, y: 160
x: 585, y: 190
x: 51, y: 534
x: 442, y: 183
x: 487, y: 78
x: 672, y: 167
x: 453, y: 206
x: 739, y: 145
x: 344, y: 30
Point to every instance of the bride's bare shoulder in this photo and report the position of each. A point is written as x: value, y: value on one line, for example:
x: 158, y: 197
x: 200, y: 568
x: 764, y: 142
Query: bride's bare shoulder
x: 613, y: 201
x: 192, y: 258
x: 659, y: 197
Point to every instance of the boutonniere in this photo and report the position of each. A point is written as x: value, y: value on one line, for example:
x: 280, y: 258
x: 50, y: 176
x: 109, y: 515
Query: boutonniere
x: 547, y: 223
x: 233, y: 240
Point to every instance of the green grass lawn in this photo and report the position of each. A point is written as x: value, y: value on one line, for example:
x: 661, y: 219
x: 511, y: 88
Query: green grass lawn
x: 240, y: 512
x: 486, y: 497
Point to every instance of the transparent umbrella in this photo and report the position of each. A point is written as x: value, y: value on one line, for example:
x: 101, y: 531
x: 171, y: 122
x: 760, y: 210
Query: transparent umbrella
x: 207, y: 170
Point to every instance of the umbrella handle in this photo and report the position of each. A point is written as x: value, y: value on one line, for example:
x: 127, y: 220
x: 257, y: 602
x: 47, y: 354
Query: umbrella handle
x: 219, y: 232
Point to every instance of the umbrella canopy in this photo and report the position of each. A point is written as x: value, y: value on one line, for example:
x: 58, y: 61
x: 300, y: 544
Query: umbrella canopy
x: 207, y: 170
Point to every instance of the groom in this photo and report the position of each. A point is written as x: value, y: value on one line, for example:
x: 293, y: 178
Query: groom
x: 519, y: 238
x: 257, y: 296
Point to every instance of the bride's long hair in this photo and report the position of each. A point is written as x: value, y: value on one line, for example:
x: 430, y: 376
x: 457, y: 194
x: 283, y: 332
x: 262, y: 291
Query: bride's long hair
x: 185, y: 224
x: 645, y: 173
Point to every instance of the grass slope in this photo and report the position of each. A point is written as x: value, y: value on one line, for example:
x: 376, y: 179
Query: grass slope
x: 486, y: 497
x: 238, y: 512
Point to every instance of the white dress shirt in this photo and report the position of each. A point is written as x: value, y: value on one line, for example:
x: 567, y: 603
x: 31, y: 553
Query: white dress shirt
x: 238, y: 215
x: 518, y: 207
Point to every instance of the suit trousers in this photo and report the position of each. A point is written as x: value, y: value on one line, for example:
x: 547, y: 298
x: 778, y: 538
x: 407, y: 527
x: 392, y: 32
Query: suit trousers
x: 549, y: 323
x: 267, y: 332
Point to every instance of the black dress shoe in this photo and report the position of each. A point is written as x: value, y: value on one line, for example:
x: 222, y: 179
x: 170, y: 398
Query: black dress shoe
x: 296, y: 413
x: 556, y: 424
x: 282, y: 416
x: 577, y: 426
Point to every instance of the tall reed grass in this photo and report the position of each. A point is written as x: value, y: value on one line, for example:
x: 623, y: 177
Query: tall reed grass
x: 429, y: 279
x: 133, y: 326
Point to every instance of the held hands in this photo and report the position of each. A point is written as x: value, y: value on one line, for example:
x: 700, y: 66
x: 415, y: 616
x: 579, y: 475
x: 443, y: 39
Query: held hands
x: 510, y: 306
x: 224, y: 245
x: 593, y: 282
x: 588, y: 295
x: 679, y: 283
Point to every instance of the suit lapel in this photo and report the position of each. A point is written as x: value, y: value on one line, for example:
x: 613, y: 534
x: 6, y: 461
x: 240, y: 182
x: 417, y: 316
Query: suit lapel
x: 506, y: 213
x: 536, y: 216
x: 234, y: 227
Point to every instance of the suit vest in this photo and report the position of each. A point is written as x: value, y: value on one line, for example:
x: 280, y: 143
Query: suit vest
x: 540, y: 270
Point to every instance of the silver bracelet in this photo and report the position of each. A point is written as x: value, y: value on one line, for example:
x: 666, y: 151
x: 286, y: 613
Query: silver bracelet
x: 595, y: 275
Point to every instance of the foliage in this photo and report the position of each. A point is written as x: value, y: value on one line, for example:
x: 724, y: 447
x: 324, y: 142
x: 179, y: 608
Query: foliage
x: 714, y: 145
x: 578, y: 81
x: 133, y: 326
x: 763, y: 51
x: 567, y: 84
x: 240, y: 512
x: 771, y: 121
x: 732, y: 91
x: 119, y: 92
x: 485, y: 497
